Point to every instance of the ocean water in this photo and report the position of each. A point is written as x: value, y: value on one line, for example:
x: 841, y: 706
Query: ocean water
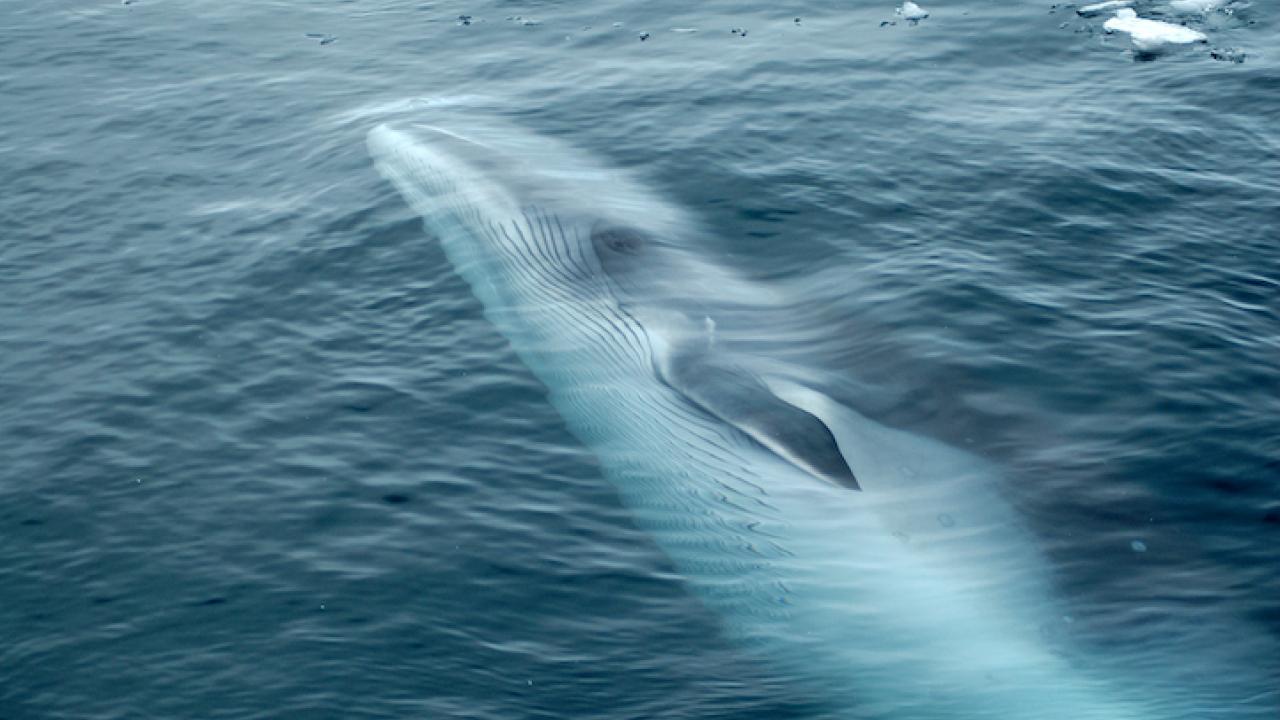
x: 263, y: 455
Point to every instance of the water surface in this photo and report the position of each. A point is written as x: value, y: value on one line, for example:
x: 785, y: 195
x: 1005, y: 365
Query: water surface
x: 264, y: 456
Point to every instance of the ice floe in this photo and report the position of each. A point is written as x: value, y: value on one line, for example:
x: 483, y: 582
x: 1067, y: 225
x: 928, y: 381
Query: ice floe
x: 911, y: 11
x: 1151, y: 36
x: 1099, y: 8
x: 1196, y: 6
x: 1228, y: 55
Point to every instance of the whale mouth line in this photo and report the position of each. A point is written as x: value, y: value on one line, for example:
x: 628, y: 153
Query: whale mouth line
x: 437, y: 130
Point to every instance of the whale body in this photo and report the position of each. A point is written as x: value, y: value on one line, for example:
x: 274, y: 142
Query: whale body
x: 882, y: 569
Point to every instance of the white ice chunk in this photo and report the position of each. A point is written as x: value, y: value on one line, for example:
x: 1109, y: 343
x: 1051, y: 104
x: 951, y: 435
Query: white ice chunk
x: 1099, y: 8
x: 912, y: 11
x: 1151, y: 35
x: 1197, y: 6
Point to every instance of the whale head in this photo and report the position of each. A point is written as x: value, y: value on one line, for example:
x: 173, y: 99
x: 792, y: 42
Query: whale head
x: 568, y: 222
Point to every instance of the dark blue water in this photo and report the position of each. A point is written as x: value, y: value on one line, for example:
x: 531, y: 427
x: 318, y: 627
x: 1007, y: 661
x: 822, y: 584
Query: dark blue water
x: 263, y: 456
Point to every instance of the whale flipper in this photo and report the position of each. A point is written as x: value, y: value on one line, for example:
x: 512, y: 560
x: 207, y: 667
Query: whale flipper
x: 741, y: 399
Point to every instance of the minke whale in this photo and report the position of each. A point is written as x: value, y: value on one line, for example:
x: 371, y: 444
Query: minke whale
x: 881, y: 571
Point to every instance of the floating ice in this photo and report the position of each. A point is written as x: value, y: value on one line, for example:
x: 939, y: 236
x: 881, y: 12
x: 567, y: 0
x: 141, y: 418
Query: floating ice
x: 1227, y: 55
x: 1151, y: 36
x: 911, y: 11
x: 1099, y: 8
x: 1196, y: 6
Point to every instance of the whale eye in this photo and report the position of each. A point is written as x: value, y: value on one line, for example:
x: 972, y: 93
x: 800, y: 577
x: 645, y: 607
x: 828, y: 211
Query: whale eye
x: 618, y: 240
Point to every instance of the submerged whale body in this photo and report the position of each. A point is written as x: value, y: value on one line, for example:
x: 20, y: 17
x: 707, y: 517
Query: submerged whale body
x: 881, y: 570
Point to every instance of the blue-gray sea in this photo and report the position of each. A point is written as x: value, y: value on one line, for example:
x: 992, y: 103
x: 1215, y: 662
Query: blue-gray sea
x: 263, y: 456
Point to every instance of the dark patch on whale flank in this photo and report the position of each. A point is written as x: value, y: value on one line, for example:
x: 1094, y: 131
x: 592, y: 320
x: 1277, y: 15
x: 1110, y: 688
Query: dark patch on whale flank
x: 741, y: 399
